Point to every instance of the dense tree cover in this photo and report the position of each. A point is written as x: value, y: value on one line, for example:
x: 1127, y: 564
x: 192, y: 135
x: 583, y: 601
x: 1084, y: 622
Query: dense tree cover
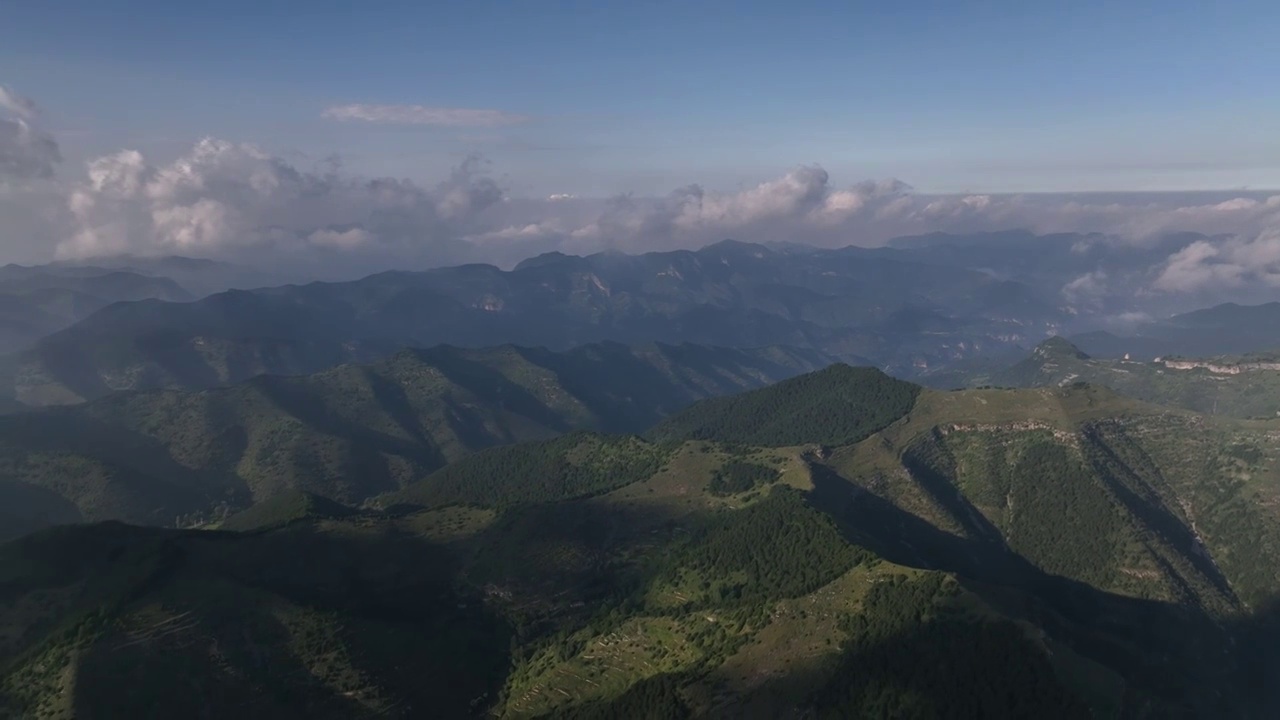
x: 776, y: 548
x: 654, y: 698
x: 624, y: 605
x: 289, y: 623
x: 351, y: 432
x: 738, y: 476
x: 836, y: 406
x: 1051, y: 508
x: 910, y: 655
x: 573, y: 465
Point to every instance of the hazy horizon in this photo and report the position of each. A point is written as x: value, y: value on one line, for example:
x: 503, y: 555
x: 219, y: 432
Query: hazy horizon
x: 669, y: 126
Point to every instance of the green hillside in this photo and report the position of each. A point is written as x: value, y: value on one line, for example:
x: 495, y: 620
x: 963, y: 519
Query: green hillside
x: 836, y: 406
x: 1057, y: 552
x: 352, y: 432
x: 1241, y: 386
x: 658, y: 598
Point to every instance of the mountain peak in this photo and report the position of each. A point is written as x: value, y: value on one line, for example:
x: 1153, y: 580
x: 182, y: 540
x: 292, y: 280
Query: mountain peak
x: 1058, y: 346
x: 838, y: 405
x: 555, y: 257
x: 737, y: 246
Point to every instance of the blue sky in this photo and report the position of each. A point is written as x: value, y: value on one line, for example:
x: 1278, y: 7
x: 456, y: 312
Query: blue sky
x: 646, y: 97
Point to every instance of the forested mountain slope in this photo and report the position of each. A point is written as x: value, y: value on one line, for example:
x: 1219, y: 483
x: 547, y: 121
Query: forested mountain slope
x: 651, y: 592
x: 1057, y: 552
x: 351, y: 432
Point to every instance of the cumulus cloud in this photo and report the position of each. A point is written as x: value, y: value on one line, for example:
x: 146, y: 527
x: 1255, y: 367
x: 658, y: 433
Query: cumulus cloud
x: 1087, y: 287
x: 1230, y: 263
x: 26, y: 152
x: 421, y: 115
x: 227, y: 199
x: 222, y: 198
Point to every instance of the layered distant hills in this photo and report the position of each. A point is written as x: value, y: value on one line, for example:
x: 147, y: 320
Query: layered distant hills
x: 674, y: 485
x: 36, y: 302
x: 1222, y: 329
x: 917, y: 309
x: 841, y: 544
x: 348, y: 433
x: 850, y: 303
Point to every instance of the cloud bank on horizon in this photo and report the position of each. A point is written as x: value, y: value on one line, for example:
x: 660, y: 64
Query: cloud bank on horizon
x: 230, y: 200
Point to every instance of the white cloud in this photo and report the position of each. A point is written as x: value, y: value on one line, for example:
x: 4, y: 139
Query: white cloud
x: 15, y: 105
x: 26, y: 152
x: 1227, y: 264
x: 346, y: 240
x: 223, y: 198
x: 1086, y: 288
x: 421, y: 115
x: 227, y: 199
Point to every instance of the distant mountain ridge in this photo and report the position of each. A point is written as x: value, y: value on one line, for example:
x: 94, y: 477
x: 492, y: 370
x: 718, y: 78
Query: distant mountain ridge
x: 1237, y: 386
x: 1226, y: 329
x: 38, y: 301
x: 851, y: 303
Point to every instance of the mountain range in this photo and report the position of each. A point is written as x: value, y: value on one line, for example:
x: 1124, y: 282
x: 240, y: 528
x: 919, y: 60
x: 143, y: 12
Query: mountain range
x: 681, y: 484
x: 850, y: 303
x: 919, y: 308
x: 1222, y: 329
x: 840, y: 544
x: 348, y: 433
x: 38, y: 301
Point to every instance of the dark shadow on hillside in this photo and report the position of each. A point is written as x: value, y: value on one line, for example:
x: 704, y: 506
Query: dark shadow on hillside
x: 1129, y: 634
x: 25, y: 508
x: 900, y: 537
x: 144, y: 484
x: 624, y: 394
x: 177, y: 357
x: 1146, y: 503
x: 69, y: 365
x: 490, y: 386
x: 291, y: 623
x: 392, y: 398
x: 312, y: 409
x: 946, y: 668
x: 566, y: 557
x: 1257, y: 651
x: 975, y: 525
